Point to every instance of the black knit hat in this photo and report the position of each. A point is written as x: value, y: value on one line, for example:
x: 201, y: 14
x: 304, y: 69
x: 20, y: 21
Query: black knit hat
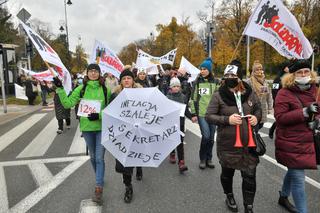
x: 237, y: 63
x: 93, y: 66
x: 299, y: 64
x: 126, y: 72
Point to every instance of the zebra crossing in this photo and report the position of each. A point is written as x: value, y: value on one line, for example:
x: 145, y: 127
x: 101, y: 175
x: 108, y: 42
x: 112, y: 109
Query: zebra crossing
x: 33, y: 157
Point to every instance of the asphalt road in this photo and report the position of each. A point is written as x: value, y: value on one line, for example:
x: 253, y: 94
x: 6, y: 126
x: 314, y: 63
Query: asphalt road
x: 39, y: 172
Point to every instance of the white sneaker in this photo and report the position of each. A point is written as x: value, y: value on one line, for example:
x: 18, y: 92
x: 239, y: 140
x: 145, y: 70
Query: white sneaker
x: 59, y: 131
x: 68, y: 127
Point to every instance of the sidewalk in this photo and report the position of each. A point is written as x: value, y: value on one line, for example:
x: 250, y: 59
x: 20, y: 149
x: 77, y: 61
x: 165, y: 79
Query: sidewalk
x: 15, y: 111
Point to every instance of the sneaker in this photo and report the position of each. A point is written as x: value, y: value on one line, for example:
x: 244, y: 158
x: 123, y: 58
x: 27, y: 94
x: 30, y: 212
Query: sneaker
x: 182, y: 166
x: 44, y: 104
x: 172, y: 158
x: 128, y: 194
x: 202, y: 164
x: 285, y: 203
x: 59, y: 131
x: 231, y: 203
x: 210, y: 164
x: 68, y: 127
x: 98, y: 195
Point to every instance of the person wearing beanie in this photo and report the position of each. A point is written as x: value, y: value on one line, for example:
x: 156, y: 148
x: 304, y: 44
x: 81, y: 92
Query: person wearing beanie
x: 142, y: 78
x: 176, y: 94
x: 203, y: 87
x: 261, y: 87
x: 207, y: 64
x: 93, y: 89
x: 227, y: 109
x: 126, y: 81
x: 296, y: 112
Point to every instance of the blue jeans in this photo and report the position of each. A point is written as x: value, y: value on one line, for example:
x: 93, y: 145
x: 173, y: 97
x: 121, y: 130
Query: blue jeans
x: 96, y: 150
x: 294, y: 183
x: 207, y: 139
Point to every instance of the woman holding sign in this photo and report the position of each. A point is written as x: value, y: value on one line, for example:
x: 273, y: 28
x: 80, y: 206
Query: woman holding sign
x: 234, y: 109
x: 92, y: 97
x: 126, y: 81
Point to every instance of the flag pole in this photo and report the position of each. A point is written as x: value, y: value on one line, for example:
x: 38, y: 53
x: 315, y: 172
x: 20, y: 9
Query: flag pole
x: 235, y: 51
x: 248, y: 55
x: 52, y: 72
x: 312, y: 65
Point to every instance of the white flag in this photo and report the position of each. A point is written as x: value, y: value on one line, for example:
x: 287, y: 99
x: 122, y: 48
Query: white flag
x: 186, y: 66
x: 41, y: 76
x: 273, y: 23
x: 107, y: 59
x: 145, y: 60
x: 49, y: 55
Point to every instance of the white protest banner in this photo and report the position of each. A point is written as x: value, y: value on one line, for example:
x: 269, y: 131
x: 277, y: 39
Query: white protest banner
x: 273, y: 23
x: 107, y: 59
x: 186, y: 66
x: 87, y: 107
x: 144, y: 60
x: 40, y: 76
x: 20, y: 92
x: 49, y: 55
x: 140, y: 127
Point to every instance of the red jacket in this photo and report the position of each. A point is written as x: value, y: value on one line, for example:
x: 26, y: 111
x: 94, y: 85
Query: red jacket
x: 294, y: 140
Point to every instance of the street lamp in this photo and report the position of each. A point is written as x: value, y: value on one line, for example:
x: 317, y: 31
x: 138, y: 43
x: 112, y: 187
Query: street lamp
x: 66, y: 18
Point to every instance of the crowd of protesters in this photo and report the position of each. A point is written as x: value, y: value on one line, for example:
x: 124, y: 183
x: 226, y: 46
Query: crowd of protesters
x: 222, y: 106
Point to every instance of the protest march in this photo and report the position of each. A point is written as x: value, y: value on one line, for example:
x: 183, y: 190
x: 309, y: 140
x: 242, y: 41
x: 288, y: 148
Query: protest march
x: 146, y: 104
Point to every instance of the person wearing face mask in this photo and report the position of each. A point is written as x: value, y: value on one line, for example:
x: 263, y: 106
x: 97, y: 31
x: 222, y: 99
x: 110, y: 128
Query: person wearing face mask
x: 261, y: 88
x: 126, y: 81
x: 295, y: 108
x: 235, y: 104
x: 203, y: 88
x: 92, y: 89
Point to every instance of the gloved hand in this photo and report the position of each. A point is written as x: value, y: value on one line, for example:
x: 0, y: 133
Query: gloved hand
x: 314, y: 124
x: 310, y: 110
x: 57, y: 82
x: 93, y: 116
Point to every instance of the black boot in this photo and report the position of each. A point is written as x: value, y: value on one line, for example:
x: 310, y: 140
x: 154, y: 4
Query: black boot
x: 284, y: 202
x: 248, y: 209
x: 128, y: 194
x: 98, y: 195
x: 231, y: 203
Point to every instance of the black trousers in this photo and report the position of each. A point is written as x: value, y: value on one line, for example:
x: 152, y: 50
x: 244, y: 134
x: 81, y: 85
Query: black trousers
x: 60, y: 122
x: 248, y: 183
x: 180, y: 147
x: 127, y: 179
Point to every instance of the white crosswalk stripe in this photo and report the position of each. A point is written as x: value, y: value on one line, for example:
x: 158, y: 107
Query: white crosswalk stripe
x: 78, y: 145
x: 3, y: 195
x: 41, y: 142
x: 16, y: 132
x: 40, y: 173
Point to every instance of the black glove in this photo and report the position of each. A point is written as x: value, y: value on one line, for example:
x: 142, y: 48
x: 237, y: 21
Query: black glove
x: 57, y: 82
x: 93, y: 116
x: 310, y: 110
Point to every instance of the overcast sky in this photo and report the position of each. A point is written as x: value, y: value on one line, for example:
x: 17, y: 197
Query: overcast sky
x: 116, y: 23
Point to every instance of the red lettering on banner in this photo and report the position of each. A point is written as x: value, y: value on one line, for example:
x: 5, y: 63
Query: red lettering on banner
x: 111, y: 61
x: 291, y: 41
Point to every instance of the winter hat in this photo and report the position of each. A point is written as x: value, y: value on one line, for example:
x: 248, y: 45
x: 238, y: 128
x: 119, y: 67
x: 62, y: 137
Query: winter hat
x: 207, y: 63
x: 126, y: 72
x: 235, y: 68
x: 299, y: 64
x: 140, y: 70
x: 174, y: 82
x: 93, y: 66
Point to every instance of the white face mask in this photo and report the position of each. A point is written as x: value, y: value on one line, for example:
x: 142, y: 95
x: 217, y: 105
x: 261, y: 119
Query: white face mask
x: 303, y: 80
